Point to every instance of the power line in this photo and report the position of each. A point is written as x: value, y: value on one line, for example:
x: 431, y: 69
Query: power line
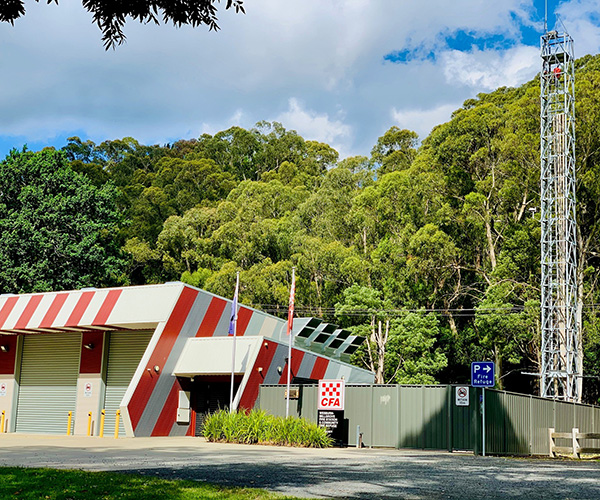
x: 358, y: 312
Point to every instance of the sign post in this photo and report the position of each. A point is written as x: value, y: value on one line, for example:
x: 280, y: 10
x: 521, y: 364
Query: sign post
x: 483, y: 374
x: 330, y: 409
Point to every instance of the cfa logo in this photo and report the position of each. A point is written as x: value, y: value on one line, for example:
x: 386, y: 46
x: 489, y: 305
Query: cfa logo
x: 330, y: 402
x: 331, y: 394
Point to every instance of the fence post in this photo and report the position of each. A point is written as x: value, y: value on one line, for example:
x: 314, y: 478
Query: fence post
x: 372, y: 414
x: 450, y: 409
x: 575, y: 443
x: 550, y: 442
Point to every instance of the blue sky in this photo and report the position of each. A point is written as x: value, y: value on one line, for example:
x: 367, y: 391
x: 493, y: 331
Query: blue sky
x: 340, y: 72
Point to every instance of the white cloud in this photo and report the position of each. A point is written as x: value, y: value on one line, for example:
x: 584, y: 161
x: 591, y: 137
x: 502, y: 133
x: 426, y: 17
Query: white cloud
x: 423, y: 120
x: 297, y: 61
x: 580, y: 18
x: 489, y: 69
x: 316, y: 126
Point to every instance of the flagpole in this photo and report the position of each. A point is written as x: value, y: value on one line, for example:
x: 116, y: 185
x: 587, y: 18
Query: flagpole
x: 290, y: 340
x: 233, y: 330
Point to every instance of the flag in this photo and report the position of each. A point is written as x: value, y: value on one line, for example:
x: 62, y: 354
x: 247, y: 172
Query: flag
x: 232, y: 331
x: 291, y: 308
x: 234, y: 304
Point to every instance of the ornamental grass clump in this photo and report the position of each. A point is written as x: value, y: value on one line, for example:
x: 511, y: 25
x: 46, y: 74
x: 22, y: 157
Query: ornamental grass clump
x: 258, y: 427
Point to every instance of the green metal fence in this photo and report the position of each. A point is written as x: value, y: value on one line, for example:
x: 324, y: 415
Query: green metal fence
x: 428, y: 417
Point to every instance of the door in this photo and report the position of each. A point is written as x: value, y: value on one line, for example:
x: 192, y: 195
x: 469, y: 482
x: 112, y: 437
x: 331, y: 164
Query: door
x: 48, y: 382
x: 125, y: 351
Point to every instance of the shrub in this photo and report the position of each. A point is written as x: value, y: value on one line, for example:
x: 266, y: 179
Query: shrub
x: 258, y: 427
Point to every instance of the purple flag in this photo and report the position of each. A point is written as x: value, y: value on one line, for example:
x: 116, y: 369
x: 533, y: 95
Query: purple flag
x: 234, y: 307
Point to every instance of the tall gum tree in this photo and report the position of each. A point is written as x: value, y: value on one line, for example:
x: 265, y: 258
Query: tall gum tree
x: 57, y: 230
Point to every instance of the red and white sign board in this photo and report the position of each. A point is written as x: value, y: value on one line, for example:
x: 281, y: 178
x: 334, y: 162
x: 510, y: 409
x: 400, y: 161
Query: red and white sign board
x: 87, y: 390
x: 3, y: 389
x: 331, y: 394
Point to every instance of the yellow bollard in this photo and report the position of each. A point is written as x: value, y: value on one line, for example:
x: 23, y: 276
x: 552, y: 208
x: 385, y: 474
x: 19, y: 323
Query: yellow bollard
x: 3, y: 420
x: 102, y: 423
x: 89, y: 424
x: 70, y: 419
x: 117, y: 424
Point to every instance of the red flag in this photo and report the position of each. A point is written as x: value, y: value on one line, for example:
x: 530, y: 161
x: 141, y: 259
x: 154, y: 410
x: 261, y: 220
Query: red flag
x: 291, y: 308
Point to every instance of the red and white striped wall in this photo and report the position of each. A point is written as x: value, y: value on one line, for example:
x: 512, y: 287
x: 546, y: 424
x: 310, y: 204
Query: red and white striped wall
x: 178, y: 314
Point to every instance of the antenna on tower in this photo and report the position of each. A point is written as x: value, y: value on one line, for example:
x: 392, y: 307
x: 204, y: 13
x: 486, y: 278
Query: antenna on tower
x: 546, y: 16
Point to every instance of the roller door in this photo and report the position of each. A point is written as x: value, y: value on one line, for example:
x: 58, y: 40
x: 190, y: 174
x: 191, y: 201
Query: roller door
x: 125, y: 350
x: 48, y: 382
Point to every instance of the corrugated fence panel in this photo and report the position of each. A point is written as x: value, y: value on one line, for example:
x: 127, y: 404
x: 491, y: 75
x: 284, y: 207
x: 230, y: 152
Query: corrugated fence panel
x: 564, y: 417
x: 358, y: 404
x: 272, y: 400
x: 584, y: 420
x: 462, y: 431
x: 542, y: 417
x: 435, y: 417
x: 494, y: 421
x: 385, y: 415
x: 411, y: 417
x: 517, y: 424
x: 423, y: 416
x: 307, y: 404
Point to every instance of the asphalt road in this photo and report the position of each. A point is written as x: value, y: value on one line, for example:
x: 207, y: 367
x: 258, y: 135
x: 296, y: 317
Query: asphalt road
x: 334, y: 473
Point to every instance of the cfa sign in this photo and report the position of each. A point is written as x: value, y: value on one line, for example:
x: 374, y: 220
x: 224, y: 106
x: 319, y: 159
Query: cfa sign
x: 331, y: 394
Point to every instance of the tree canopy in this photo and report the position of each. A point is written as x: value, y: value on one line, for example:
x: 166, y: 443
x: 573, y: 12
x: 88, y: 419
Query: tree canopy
x: 56, y: 228
x: 430, y: 251
x: 110, y: 17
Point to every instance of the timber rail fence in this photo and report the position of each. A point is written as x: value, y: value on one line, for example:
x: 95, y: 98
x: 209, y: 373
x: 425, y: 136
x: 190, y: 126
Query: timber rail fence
x: 575, y: 449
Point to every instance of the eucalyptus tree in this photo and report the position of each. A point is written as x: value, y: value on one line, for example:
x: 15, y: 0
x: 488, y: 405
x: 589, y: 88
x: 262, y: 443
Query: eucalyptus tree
x: 57, y: 229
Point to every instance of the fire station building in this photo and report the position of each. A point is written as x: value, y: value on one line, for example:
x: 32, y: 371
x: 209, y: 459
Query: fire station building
x: 160, y: 354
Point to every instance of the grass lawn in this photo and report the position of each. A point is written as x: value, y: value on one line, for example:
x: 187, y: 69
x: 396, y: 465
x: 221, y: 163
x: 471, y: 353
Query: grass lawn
x: 52, y: 484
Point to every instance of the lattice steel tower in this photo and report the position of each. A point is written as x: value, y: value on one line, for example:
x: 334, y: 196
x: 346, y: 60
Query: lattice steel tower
x: 561, y: 359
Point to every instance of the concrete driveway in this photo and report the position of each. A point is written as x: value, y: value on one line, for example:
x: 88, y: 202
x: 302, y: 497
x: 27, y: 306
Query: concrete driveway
x: 333, y: 473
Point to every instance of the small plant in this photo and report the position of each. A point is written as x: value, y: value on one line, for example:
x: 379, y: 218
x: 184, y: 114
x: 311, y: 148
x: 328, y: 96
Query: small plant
x: 258, y: 427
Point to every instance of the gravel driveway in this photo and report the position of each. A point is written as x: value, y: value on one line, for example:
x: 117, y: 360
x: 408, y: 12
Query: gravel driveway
x: 334, y: 473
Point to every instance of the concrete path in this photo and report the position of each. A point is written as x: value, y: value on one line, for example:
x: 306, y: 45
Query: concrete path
x: 333, y: 473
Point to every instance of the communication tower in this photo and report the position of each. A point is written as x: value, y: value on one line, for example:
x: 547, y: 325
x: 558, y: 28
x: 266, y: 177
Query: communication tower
x: 561, y: 371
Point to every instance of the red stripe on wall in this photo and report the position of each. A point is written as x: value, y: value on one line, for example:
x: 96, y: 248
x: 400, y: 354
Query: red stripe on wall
x: 168, y: 414
x: 297, y: 357
x: 107, y: 307
x: 53, y: 310
x: 27, y: 313
x: 80, y: 307
x: 91, y: 359
x: 244, y: 315
x: 319, y: 368
x: 192, y: 428
x: 211, y: 318
x: 264, y: 359
x: 7, y: 308
x: 161, y: 352
x: 7, y: 359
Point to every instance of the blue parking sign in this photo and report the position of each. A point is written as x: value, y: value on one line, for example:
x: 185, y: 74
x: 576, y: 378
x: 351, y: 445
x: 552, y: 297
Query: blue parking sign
x: 483, y: 374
